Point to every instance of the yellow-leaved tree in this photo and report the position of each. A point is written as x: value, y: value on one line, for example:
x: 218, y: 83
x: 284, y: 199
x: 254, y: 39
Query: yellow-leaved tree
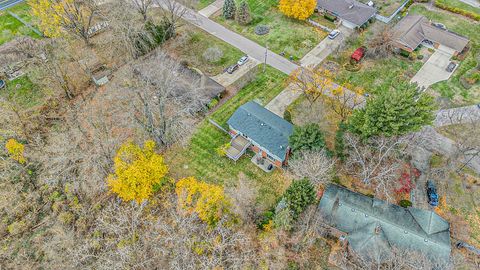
x: 208, y: 201
x: 73, y: 16
x: 138, y: 171
x: 298, y: 9
x: 15, y: 150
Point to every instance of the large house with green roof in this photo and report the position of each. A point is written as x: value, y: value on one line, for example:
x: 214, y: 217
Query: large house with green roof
x: 372, y: 227
x: 252, y: 126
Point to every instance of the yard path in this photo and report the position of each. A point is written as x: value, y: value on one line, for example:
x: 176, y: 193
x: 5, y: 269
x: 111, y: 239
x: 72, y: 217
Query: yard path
x: 240, y: 42
x: 212, y: 8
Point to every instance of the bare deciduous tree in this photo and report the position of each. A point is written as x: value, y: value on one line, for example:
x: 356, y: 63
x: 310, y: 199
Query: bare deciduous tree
x: 166, y: 100
x: 381, y: 44
x: 316, y: 166
x: 142, y: 7
x: 377, y: 162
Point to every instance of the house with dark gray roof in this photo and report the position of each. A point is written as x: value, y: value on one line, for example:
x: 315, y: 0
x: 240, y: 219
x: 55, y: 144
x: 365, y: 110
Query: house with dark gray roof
x: 414, y: 30
x: 373, y: 227
x: 353, y: 14
x: 252, y: 126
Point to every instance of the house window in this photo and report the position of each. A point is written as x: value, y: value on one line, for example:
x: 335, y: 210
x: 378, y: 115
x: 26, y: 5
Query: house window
x: 270, y: 157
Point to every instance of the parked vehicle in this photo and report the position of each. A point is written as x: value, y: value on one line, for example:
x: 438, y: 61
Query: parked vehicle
x: 358, y: 54
x: 440, y: 25
x: 243, y: 60
x: 334, y: 34
x: 451, y: 67
x: 2, y: 84
x: 432, y: 193
x: 232, y: 69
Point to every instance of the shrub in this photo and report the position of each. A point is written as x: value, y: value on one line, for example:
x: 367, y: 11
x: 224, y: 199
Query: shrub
x: 243, y: 14
x: 339, y: 142
x: 287, y: 115
x: 298, y: 196
x: 262, y: 30
x: 15, y: 150
x: 329, y: 17
x: 284, y: 219
x: 213, y: 54
x: 405, y: 203
x: 420, y: 56
x: 444, y: 5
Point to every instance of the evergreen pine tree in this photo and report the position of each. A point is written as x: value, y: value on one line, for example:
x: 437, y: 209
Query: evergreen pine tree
x: 229, y: 9
x: 243, y: 13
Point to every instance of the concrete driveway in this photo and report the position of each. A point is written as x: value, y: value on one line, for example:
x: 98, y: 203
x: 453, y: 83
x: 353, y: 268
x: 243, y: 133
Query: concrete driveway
x: 433, y: 70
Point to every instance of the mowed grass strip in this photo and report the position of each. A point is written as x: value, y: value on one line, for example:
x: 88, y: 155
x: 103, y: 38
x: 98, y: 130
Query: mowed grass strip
x: 11, y: 28
x: 200, y: 157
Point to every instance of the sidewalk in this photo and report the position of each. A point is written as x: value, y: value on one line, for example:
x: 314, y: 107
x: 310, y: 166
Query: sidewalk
x: 212, y: 8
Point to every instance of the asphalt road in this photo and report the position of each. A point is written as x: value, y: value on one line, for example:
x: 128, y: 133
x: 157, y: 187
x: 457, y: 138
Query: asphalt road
x: 245, y: 45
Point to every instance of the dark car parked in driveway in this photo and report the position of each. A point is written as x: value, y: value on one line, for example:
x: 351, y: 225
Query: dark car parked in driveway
x: 432, y: 193
x: 451, y: 67
x: 232, y: 69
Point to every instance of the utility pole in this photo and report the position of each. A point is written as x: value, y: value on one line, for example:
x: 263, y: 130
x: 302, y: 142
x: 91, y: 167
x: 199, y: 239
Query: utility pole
x: 266, y: 54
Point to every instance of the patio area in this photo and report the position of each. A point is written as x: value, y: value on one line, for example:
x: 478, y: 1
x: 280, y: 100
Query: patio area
x: 263, y: 163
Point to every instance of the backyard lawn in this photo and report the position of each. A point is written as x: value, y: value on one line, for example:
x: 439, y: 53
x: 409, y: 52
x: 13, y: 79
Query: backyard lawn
x: 203, y: 3
x: 10, y: 27
x: 459, y: 5
x: 453, y: 90
x: 200, y: 158
x: 375, y: 74
x: 191, y: 45
x: 386, y: 7
x: 293, y: 37
x: 23, y: 92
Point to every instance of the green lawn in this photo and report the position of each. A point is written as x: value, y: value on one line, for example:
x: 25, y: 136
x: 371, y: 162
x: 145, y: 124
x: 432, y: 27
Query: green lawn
x: 375, y: 74
x: 200, y: 158
x: 10, y: 27
x: 195, y: 43
x: 203, y: 3
x: 386, y: 7
x: 452, y: 89
x: 459, y: 5
x: 23, y: 92
x: 287, y: 35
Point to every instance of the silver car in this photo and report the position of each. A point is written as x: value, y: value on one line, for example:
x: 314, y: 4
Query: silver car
x: 242, y: 60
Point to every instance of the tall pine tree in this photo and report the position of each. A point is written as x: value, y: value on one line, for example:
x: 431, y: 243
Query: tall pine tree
x: 394, y: 112
x: 229, y: 9
x: 243, y: 13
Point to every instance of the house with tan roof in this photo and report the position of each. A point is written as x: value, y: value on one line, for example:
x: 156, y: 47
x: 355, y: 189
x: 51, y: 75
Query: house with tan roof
x: 414, y: 30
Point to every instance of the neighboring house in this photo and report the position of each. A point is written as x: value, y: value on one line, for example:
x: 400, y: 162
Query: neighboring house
x: 372, y: 227
x: 263, y: 131
x: 414, y: 30
x: 353, y: 14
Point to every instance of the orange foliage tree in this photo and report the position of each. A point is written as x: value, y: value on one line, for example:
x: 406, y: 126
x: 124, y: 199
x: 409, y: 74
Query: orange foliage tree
x: 208, y: 201
x: 298, y: 9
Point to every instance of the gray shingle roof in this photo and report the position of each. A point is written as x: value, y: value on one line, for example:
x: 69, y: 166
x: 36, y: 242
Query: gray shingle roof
x: 413, y: 29
x: 349, y: 10
x: 264, y: 127
x: 359, y: 215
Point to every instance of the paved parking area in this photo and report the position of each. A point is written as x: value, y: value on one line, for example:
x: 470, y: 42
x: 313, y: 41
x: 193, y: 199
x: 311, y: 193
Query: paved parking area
x: 226, y: 79
x: 433, y: 70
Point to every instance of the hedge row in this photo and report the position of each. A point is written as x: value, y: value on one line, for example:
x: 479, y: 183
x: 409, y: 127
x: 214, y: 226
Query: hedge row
x: 460, y: 11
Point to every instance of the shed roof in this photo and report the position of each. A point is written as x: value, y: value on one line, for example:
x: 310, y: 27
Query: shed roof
x: 413, y: 29
x: 410, y: 228
x: 264, y: 127
x: 349, y: 10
